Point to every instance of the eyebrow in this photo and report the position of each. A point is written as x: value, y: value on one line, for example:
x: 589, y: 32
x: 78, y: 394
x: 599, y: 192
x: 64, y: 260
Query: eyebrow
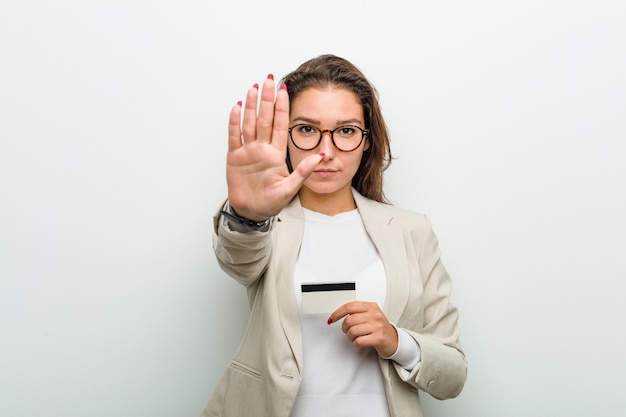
x: 338, y: 123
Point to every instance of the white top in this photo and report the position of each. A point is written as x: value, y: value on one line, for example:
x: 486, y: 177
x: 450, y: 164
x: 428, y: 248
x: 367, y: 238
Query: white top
x: 338, y: 378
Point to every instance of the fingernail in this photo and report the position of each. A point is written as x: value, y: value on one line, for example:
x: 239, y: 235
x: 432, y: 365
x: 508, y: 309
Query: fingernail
x: 283, y: 87
x: 239, y: 103
x: 330, y: 320
x: 270, y: 76
x: 323, y: 155
x: 256, y: 86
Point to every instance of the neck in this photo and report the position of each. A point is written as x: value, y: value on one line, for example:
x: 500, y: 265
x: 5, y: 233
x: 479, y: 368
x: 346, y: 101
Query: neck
x: 328, y: 204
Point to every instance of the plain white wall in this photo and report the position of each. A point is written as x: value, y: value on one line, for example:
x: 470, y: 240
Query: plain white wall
x: 508, y: 123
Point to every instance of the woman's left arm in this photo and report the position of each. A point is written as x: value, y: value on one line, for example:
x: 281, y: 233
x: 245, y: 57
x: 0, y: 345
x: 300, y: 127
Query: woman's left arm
x: 443, y: 368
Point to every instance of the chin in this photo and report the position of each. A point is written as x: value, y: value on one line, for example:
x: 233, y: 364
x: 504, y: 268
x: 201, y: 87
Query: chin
x: 325, y: 188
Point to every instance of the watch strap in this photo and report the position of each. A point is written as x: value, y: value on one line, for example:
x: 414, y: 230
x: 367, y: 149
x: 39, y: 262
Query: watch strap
x: 247, y: 223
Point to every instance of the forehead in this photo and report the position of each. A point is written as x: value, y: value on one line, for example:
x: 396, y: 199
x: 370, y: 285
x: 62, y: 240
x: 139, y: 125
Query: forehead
x: 328, y: 103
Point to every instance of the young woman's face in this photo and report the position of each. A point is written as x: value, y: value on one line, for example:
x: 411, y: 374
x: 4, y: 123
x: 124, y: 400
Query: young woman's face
x: 328, y: 108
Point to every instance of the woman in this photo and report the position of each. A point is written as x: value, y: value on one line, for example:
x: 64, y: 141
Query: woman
x: 306, y: 211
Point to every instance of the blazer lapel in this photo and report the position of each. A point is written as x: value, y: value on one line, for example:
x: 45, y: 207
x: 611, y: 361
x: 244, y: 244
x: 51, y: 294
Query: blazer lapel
x: 389, y: 241
x: 289, y: 232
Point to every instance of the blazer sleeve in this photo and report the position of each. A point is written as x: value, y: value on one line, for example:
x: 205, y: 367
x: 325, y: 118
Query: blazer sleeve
x: 243, y: 256
x: 443, y: 368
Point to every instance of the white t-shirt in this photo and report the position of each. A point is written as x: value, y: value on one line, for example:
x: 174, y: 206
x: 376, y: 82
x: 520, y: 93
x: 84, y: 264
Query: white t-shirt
x: 338, y: 378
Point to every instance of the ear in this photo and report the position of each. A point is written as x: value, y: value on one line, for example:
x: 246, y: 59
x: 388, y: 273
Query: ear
x: 367, y: 143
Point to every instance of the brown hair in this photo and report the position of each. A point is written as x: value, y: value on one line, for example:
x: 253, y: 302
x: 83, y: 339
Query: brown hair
x: 333, y: 71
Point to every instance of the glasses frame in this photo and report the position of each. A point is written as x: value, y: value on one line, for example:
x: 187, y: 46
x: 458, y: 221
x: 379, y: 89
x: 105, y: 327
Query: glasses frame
x: 364, y: 133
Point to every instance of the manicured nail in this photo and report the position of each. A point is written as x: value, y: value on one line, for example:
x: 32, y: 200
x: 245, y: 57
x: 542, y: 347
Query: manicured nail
x: 239, y: 103
x: 323, y: 155
x: 256, y: 86
x: 330, y: 320
x: 270, y: 76
x: 283, y: 87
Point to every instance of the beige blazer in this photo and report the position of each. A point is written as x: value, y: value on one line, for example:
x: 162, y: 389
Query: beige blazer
x: 263, y: 378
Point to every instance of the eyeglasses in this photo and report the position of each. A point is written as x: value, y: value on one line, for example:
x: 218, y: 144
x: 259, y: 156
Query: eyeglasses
x: 345, y: 138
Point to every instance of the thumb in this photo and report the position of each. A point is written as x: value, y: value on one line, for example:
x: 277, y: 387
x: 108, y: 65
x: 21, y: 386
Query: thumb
x: 303, y: 171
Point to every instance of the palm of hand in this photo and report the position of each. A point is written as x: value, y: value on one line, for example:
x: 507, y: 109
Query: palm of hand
x: 256, y: 174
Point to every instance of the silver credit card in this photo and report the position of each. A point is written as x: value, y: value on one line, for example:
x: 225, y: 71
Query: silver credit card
x: 326, y: 297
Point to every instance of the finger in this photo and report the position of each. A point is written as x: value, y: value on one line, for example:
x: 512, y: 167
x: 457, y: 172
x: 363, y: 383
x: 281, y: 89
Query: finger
x: 234, y: 127
x: 337, y: 315
x: 304, y: 169
x: 366, y: 340
x: 359, y: 331
x: 281, y: 118
x: 348, y: 308
x: 249, y: 114
x: 265, y: 121
x: 356, y: 319
x: 385, y: 343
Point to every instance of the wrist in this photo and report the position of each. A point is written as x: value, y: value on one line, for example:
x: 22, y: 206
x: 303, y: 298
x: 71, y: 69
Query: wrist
x: 233, y: 216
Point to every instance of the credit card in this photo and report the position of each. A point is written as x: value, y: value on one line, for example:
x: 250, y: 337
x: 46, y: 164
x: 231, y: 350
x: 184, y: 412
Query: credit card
x: 325, y: 298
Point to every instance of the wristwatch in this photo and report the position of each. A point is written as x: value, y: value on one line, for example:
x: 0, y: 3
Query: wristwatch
x: 232, y: 216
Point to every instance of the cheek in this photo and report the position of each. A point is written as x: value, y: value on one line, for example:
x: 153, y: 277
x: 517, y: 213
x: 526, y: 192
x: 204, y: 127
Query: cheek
x: 358, y: 157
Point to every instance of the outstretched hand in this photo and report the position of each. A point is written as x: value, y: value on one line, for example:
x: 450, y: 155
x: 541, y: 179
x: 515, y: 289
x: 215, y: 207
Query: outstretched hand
x: 259, y: 182
x: 366, y: 325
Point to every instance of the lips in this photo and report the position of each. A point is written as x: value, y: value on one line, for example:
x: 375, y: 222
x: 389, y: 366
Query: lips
x: 325, y: 172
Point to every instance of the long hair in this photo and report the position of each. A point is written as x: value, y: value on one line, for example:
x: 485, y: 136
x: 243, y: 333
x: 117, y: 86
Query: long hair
x: 333, y: 71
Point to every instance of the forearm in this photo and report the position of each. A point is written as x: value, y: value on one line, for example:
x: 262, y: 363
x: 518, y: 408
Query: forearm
x: 242, y: 254
x: 442, y: 370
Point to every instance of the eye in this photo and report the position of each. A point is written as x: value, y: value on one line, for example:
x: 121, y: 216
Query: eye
x: 306, y: 130
x: 346, y: 131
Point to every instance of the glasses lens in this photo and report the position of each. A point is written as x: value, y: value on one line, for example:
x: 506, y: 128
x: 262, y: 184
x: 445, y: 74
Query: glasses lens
x: 305, y: 137
x: 347, y: 138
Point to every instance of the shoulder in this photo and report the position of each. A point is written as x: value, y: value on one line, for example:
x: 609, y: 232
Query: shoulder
x: 375, y: 211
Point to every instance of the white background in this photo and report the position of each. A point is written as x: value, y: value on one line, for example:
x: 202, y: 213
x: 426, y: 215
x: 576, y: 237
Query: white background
x: 508, y: 121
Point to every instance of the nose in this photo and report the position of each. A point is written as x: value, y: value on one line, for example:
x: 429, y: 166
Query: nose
x: 326, y: 145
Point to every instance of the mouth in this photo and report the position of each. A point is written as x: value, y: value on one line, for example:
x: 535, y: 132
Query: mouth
x: 325, y: 172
